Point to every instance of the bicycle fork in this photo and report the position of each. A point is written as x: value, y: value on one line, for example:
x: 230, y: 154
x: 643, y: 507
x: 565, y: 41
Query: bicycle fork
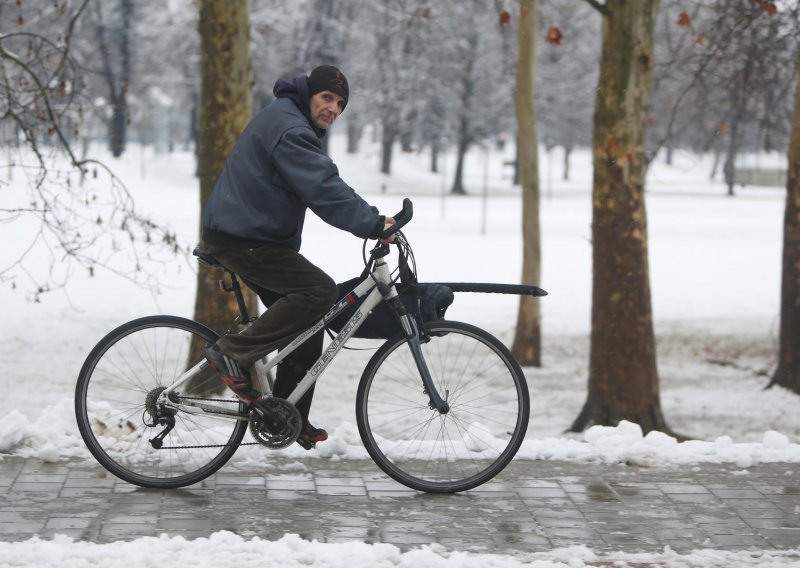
x: 436, y: 402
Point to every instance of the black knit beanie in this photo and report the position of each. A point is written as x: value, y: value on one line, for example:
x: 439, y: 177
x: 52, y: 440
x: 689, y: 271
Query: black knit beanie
x: 328, y: 78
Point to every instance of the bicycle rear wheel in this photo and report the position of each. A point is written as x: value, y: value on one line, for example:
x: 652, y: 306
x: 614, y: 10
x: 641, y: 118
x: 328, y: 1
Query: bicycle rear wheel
x: 443, y: 453
x: 115, y: 404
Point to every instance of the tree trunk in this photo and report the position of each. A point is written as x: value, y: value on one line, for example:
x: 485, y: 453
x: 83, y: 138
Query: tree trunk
x: 387, y: 143
x: 407, y: 133
x: 461, y: 152
x: 715, y: 166
x: 119, y: 121
x: 623, y: 376
x: 435, y: 155
x: 193, y: 140
x: 729, y: 169
x: 527, y: 345
x: 739, y: 111
x: 117, y: 78
x: 788, y: 372
x: 567, y: 154
x: 225, y: 108
x: 354, y: 131
x: 465, y: 134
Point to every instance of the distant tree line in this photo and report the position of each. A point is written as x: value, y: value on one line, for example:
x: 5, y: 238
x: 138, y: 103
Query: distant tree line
x: 640, y: 79
x: 432, y: 75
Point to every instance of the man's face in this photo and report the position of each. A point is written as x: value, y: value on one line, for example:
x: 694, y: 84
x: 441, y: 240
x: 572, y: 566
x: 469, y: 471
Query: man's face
x: 325, y: 108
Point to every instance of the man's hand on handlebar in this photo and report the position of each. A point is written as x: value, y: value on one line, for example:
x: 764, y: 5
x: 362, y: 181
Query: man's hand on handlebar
x: 386, y: 224
x: 398, y: 221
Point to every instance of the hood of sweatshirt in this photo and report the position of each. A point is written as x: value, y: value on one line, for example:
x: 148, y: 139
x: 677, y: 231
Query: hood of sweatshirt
x: 297, y: 90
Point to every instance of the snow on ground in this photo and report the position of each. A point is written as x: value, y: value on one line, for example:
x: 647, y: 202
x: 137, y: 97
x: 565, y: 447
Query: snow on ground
x: 225, y: 549
x: 715, y: 273
x: 715, y: 270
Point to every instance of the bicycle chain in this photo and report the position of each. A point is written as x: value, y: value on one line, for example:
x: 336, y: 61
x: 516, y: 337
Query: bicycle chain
x: 227, y: 400
x: 209, y: 446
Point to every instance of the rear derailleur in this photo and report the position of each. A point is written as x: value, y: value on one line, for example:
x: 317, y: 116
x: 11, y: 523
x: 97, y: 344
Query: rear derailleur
x: 158, y: 415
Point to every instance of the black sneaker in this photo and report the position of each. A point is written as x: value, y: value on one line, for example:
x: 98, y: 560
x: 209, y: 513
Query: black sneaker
x: 232, y: 374
x: 310, y: 436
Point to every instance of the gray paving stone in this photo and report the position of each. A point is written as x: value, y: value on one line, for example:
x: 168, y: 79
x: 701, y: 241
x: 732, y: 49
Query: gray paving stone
x: 30, y: 528
x: 525, y: 509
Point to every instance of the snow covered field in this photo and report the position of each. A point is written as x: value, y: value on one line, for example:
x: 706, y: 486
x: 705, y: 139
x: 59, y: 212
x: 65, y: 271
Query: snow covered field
x: 715, y: 273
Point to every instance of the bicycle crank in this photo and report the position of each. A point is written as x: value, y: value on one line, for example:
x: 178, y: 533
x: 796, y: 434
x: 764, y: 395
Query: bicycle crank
x: 276, y: 423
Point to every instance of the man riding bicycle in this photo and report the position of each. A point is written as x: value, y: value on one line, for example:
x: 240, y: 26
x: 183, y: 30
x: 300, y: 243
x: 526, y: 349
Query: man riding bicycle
x: 253, y: 222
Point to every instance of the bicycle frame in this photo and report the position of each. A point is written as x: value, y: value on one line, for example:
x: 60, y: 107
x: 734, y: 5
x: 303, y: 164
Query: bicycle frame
x: 377, y: 287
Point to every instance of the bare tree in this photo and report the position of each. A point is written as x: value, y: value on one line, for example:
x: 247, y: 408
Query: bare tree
x: 114, y: 32
x: 225, y: 108
x: 528, y: 339
x: 724, y: 78
x: 477, y: 81
x: 787, y: 374
x: 570, y: 50
x: 70, y: 210
x: 623, y: 377
x: 399, y: 41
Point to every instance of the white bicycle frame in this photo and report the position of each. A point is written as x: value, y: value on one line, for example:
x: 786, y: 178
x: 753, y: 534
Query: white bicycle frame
x: 371, y: 286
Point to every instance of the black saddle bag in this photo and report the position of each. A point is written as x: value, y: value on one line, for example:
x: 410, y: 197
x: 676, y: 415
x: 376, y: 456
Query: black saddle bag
x: 434, y: 299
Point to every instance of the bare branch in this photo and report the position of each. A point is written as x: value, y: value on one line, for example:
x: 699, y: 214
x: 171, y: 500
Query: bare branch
x: 64, y: 217
x: 53, y: 120
x: 737, y: 29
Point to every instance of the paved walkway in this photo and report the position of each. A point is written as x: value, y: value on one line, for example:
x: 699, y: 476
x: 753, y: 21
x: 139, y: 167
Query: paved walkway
x: 531, y: 506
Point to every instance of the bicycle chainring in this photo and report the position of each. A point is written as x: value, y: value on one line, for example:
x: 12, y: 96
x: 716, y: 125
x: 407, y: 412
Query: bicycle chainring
x: 280, y: 427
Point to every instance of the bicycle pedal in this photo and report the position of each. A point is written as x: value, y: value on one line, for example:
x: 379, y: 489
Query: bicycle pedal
x: 306, y: 444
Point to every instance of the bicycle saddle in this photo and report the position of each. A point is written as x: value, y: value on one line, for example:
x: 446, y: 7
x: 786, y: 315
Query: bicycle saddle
x: 207, y: 259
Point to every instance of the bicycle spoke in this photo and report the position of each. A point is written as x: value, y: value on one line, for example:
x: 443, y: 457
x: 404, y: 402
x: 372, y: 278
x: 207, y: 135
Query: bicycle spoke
x: 125, y: 371
x: 474, y: 440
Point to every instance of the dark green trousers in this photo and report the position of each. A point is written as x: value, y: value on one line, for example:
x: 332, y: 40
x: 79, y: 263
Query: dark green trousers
x: 297, y: 294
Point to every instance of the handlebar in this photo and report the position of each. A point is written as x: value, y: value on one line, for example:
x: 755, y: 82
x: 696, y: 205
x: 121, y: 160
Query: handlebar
x: 401, y: 219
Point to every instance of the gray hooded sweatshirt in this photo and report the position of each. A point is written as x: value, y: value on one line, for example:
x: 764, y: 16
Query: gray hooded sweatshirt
x: 276, y: 171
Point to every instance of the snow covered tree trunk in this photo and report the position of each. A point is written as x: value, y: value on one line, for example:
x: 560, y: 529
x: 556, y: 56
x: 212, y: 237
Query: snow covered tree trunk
x: 788, y: 372
x: 225, y: 107
x: 623, y: 376
x: 527, y: 345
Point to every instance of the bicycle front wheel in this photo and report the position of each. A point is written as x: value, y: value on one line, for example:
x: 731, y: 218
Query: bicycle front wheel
x: 443, y: 453
x: 115, y: 405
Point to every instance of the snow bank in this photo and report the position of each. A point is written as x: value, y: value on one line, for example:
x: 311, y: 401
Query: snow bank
x: 228, y: 549
x: 54, y: 437
x: 626, y: 443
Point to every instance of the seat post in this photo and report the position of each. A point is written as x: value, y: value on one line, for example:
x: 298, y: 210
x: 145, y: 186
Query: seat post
x: 237, y: 290
x: 208, y: 260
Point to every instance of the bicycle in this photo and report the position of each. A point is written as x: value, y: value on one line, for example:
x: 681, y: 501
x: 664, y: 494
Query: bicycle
x: 441, y: 407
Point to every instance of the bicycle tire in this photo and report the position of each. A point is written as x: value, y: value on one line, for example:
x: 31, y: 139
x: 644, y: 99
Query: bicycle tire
x: 483, y: 430
x: 135, y: 359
